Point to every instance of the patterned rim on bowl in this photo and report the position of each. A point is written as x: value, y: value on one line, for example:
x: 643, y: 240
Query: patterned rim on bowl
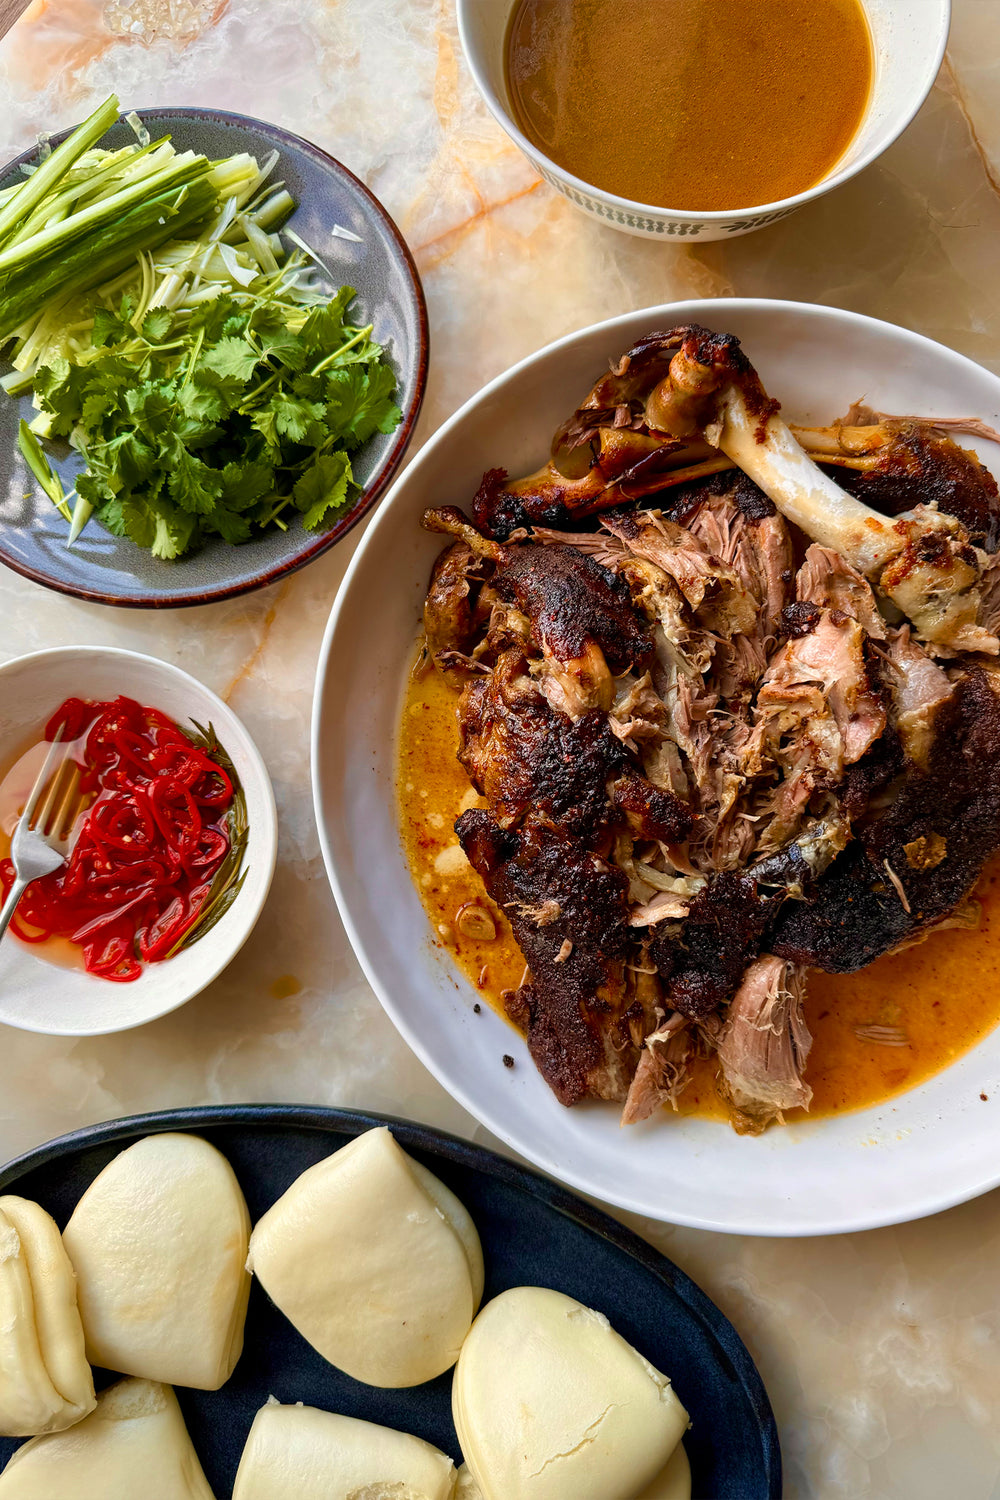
x: 373, y: 492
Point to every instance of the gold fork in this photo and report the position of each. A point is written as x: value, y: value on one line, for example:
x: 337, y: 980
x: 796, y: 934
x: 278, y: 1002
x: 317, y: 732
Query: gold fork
x: 41, y: 838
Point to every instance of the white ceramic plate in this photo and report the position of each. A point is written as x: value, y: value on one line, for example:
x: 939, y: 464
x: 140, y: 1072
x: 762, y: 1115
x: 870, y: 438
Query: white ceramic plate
x: 921, y: 1152
x: 36, y: 995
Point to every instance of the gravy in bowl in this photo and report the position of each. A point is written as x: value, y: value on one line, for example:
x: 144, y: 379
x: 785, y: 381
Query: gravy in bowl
x: 691, y: 104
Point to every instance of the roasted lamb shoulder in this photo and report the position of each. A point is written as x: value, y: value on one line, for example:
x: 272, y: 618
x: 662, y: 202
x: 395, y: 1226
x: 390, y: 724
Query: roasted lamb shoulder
x: 706, y: 769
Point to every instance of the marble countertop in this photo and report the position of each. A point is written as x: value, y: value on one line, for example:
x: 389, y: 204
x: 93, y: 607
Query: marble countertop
x: 881, y: 1351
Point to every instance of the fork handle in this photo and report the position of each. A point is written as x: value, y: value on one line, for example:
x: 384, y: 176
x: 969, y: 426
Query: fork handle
x: 17, y: 890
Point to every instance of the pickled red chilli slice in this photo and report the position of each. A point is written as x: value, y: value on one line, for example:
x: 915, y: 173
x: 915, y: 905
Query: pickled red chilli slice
x: 147, y: 848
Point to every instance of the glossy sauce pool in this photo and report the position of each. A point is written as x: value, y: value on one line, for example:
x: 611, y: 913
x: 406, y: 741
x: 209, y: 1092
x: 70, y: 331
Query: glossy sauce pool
x: 691, y: 104
x: 943, y: 995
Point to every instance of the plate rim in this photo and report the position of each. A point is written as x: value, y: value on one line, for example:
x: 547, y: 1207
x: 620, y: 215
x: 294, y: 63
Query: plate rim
x: 331, y: 1120
x: 372, y: 493
x: 920, y: 1205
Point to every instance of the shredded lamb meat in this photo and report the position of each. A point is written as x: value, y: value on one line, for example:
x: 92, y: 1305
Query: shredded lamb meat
x: 708, y: 770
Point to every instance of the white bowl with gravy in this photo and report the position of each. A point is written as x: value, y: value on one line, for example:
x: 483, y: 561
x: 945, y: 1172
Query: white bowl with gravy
x: 750, y: 112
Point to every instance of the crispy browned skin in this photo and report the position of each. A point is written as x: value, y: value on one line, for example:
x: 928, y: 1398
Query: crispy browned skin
x: 857, y: 914
x: 650, y: 812
x: 723, y: 932
x: 567, y: 907
x: 524, y: 758
x: 917, y: 466
x: 570, y: 600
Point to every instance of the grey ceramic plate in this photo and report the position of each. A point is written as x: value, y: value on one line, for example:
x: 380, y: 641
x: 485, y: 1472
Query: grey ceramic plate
x: 112, y: 570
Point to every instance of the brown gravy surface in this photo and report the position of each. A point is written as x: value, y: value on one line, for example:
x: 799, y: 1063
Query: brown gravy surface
x: 943, y: 995
x: 691, y: 104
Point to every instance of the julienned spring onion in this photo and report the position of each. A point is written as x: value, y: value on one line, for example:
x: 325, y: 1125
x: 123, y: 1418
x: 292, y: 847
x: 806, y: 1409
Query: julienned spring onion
x: 207, y: 381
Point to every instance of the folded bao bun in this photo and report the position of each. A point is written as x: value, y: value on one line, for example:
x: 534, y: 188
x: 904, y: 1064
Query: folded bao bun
x: 375, y: 1262
x: 159, y: 1244
x: 133, y: 1444
x: 45, y: 1380
x: 299, y: 1453
x: 674, y: 1482
x: 551, y: 1404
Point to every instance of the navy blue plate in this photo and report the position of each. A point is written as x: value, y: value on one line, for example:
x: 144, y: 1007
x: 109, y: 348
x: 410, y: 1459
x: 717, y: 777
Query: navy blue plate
x: 533, y: 1233
x: 112, y: 570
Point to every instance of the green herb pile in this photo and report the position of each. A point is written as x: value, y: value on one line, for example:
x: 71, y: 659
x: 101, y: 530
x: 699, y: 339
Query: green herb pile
x: 210, y: 388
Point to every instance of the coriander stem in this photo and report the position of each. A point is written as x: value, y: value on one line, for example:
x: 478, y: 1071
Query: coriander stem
x: 362, y: 333
x: 199, y: 340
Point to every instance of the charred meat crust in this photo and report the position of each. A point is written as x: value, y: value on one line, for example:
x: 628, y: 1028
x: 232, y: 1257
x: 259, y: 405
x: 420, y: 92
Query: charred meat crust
x: 798, y: 618
x: 556, y: 892
x: 920, y: 467
x: 497, y: 512
x: 857, y: 914
x: 650, y: 812
x: 570, y: 599
x: 524, y: 758
x: 724, y: 929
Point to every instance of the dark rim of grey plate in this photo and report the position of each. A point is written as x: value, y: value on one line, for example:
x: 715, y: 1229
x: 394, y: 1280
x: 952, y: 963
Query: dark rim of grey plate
x: 419, y: 1137
x: 374, y: 491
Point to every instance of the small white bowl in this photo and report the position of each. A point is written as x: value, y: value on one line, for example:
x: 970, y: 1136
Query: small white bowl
x: 909, y: 39
x: 36, y: 995
x: 915, y: 1154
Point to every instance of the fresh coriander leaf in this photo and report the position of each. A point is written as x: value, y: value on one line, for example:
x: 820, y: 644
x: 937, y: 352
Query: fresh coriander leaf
x: 323, y: 487
x: 265, y: 422
x: 156, y: 324
x: 191, y: 483
x: 213, y: 317
x: 151, y: 409
x: 244, y: 484
x: 57, y: 390
x: 293, y: 419
x: 229, y: 390
x: 103, y: 401
x: 359, y: 402
x: 128, y: 455
x: 109, y: 327
x: 231, y: 357
x: 174, y: 532
x: 324, y: 327
x: 276, y: 339
x: 124, y: 517
x: 201, y: 402
x: 358, y: 354
x: 229, y: 525
x: 96, y: 490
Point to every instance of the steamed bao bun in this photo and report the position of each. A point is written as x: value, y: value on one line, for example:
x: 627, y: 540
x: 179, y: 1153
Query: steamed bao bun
x: 551, y: 1404
x: 299, y: 1453
x: 672, y: 1483
x: 159, y: 1244
x: 133, y: 1444
x: 374, y: 1261
x: 45, y: 1380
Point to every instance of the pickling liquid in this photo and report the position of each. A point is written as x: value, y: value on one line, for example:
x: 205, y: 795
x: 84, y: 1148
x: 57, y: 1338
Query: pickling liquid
x: 16, y: 782
x: 691, y: 104
x: 934, y: 1001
